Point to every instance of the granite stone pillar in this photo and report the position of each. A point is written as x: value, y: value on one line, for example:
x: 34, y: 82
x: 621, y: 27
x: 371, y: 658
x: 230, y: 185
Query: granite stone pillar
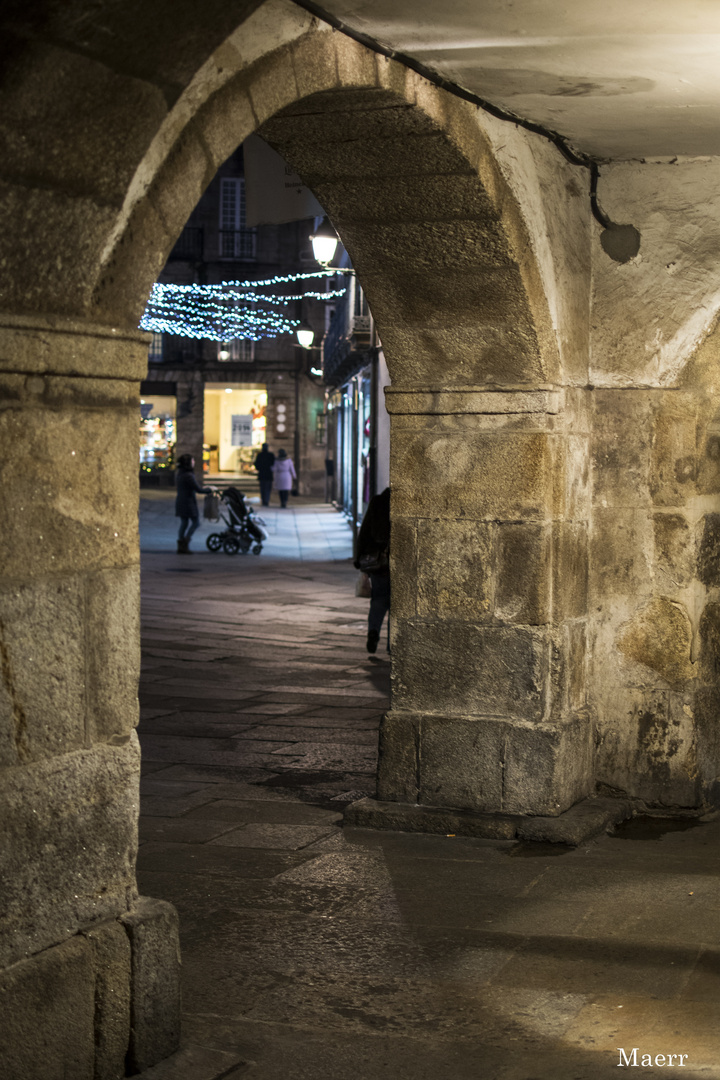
x: 69, y: 665
x: 489, y: 565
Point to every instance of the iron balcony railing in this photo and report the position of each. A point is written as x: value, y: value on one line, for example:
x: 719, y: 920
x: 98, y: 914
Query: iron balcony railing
x: 349, y: 336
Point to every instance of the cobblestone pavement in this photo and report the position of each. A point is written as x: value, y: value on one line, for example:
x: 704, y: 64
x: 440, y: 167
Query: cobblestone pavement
x: 312, y: 952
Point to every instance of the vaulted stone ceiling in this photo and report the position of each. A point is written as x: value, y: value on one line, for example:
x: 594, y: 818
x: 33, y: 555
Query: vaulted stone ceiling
x: 621, y: 79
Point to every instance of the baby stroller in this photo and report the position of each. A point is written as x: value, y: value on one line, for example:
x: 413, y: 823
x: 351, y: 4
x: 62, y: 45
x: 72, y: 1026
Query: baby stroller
x: 243, y: 530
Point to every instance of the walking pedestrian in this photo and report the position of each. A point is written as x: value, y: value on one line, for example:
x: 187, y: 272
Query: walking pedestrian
x: 263, y: 466
x: 186, y: 507
x: 373, y: 558
x: 284, y: 475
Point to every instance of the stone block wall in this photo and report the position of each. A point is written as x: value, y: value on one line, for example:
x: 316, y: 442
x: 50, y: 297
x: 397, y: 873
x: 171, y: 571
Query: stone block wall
x: 654, y: 575
x: 489, y: 550
x: 654, y: 582
x: 69, y: 665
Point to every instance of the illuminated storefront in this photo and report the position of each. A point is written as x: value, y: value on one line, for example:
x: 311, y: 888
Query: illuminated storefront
x: 234, y: 426
x: 158, y: 431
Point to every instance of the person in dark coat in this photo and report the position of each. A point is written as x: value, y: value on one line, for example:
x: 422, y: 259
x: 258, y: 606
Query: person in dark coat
x: 186, y: 507
x: 372, y: 556
x: 264, y: 466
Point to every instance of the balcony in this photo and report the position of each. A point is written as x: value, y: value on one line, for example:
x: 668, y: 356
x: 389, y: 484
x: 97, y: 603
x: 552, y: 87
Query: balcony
x: 349, y: 337
x: 237, y: 244
x: 189, y: 245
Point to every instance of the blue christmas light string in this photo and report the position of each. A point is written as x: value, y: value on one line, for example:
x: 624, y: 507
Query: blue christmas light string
x: 229, y: 309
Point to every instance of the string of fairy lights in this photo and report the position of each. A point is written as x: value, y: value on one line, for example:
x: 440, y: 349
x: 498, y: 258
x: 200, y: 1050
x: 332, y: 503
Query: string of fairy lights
x: 231, y: 309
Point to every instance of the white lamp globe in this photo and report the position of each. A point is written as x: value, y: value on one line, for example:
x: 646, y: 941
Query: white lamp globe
x: 324, y: 243
x: 305, y: 335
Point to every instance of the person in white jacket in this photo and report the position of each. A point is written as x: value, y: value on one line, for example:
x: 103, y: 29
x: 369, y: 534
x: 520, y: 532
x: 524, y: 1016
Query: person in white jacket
x: 284, y: 476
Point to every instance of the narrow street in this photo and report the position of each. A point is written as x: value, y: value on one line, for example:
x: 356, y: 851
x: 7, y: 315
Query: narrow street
x: 316, y: 953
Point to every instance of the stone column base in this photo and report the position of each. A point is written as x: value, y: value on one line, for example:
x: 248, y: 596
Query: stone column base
x: 100, y: 1006
x: 487, y: 764
x: 574, y: 826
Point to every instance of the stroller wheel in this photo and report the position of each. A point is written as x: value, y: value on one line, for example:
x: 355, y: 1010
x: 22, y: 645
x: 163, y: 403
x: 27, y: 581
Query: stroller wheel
x: 214, y: 542
x: 257, y: 548
x: 231, y: 546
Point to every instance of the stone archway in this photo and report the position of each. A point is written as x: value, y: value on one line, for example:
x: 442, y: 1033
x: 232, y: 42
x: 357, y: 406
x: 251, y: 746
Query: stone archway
x: 488, y: 482
x: 488, y: 488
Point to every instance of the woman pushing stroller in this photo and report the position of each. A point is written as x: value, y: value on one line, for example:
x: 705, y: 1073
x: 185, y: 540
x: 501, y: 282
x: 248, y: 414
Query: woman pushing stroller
x: 186, y: 507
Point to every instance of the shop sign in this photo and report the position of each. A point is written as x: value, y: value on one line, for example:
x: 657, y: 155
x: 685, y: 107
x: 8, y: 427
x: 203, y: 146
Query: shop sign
x: 241, y: 432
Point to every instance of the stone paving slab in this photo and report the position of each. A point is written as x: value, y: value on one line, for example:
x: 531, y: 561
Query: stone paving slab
x: 313, y: 951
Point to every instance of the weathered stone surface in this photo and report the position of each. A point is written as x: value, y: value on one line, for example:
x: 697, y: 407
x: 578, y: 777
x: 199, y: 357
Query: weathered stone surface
x: 485, y: 764
x: 522, y: 594
x: 621, y: 447
x: 111, y: 954
x: 659, y: 636
x: 570, y: 571
x: 406, y: 817
x: 710, y: 643
x: 403, y: 566
x: 648, y: 746
x: 445, y: 198
x: 226, y: 121
x: 477, y: 475
x: 674, y: 549
x: 493, y: 354
x: 273, y: 85
x: 315, y: 63
x: 78, y: 226
x: 98, y: 123
x: 705, y: 713
x: 708, y: 481
x: 152, y: 927
x: 124, y: 280
x: 113, y: 653
x: 355, y: 64
x: 573, y: 827
x: 48, y: 1009
x: 547, y: 767
x: 460, y: 669
x: 673, y: 462
x: 577, y: 661
x: 454, y: 569
x: 42, y: 695
x: 68, y: 347
x: 64, y: 504
x: 398, y: 775
x: 621, y: 545
x: 579, y: 823
x: 461, y: 763
x: 69, y: 844
x: 708, y: 553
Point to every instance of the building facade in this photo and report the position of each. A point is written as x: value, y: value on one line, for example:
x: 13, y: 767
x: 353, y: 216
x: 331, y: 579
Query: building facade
x: 199, y: 393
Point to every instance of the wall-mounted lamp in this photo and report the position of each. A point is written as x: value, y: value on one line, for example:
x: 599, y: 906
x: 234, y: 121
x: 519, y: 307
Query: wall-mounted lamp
x: 324, y: 243
x: 305, y: 335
